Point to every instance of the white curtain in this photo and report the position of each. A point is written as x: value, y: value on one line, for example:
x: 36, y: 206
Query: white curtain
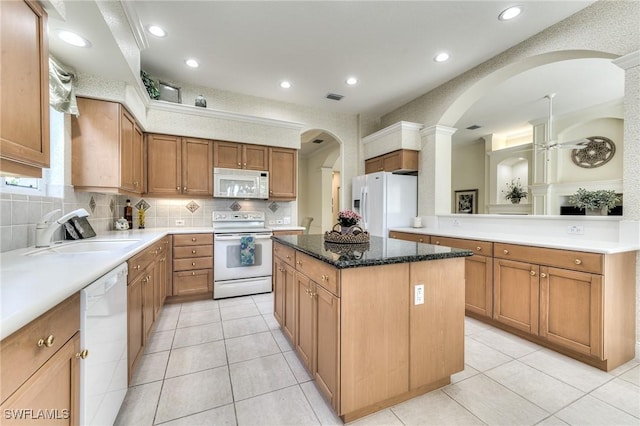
x: 61, y: 92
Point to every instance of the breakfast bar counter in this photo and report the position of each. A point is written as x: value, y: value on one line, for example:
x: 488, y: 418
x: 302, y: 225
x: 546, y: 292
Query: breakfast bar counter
x: 374, y: 324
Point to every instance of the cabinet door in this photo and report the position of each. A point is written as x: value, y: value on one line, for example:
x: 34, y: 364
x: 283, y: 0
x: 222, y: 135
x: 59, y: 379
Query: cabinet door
x: 188, y: 283
x: 197, y: 173
x: 304, y: 342
x: 227, y: 155
x: 571, y: 309
x: 255, y: 157
x: 159, y: 286
x: 326, y: 343
x: 127, y: 152
x: 279, y: 277
x: 516, y: 292
x: 147, y: 301
x: 478, y: 276
x: 289, y: 326
x: 54, y: 389
x: 283, y: 173
x: 164, y: 165
x: 24, y: 122
x: 373, y: 165
x: 138, y: 161
x: 400, y: 160
x: 135, y: 333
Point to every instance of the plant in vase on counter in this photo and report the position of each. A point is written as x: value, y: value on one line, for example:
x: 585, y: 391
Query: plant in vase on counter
x: 347, y: 219
x: 515, y: 192
x: 600, y: 200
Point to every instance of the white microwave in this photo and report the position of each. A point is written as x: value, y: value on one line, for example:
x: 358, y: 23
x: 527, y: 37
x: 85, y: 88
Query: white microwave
x: 234, y: 183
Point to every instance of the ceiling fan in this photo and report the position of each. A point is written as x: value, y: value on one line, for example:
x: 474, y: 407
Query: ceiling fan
x: 551, y: 144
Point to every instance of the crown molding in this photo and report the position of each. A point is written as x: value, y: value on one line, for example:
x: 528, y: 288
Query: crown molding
x: 628, y: 61
x: 137, y: 29
x: 438, y: 130
x: 399, y: 126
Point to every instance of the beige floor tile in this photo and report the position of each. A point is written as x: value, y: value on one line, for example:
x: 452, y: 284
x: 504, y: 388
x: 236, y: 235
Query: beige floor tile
x: 591, y: 411
x: 624, y: 368
x: 282, y: 341
x: 381, y: 418
x: 482, y: 357
x: 577, y: 374
x: 190, y: 319
x: 239, y: 311
x: 506, y: 343
x: 168, y: 320
x: 632, y: 376
x: 198, y: 334
x: 551, y: 421
x: 248, y: 347
x: 283, y: 407
x: 243, y: 326
x: 193, y: 393
x: 272, y: 323
x: 236, y: 301
x: 621, y: 394
x: 434, y: 408
x: 151, y: 368
x: 265, y: 307
x: 493, y: 403
x: 299, y: 371
x: 159, y: 341
x: 259, y: 376
x: 464, y: 374
x: 221, y: 416
x: 473, y: 326
x: 139, y: 406
x: 320, y: 406
x: 196, y: 358
x: 263, y: 298
x: 200, y: 305
x: 543, y: 390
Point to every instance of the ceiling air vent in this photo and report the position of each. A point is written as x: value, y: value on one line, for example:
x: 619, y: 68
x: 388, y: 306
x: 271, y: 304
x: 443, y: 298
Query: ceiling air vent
x: 475, y: 126
x: 334, y: 96
x: 317, y: 141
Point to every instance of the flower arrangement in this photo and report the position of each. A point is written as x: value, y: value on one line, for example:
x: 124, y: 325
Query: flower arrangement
x: 514, y: 191
x: 348, y: 218
x: 150, y: 85
x: 600, y: 199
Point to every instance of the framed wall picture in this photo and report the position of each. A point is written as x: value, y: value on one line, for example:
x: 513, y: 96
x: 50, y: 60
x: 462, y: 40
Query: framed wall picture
x: 467, y: 201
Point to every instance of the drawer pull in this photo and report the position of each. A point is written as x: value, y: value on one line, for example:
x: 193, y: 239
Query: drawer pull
x: 532, y: 273
x: 193, y: 273
x: 306, y: 290
x: 137, y: 267
x: 48, y: 342
x: 145, y: 279
x: 325, y: 277
x: 421, y: 240
x: 193, y: 252
x: 478, y: 248
x: 193, y: 263
x: 299, y: 262
x: 288, y: 257
x: 437, y: 243
x: 281, y: 269
x: 543, y: 275
x: 84, y: 354
x: 193, y: 238
x: 578, y: 262
x: 505, y: 251
x: 312, y: 294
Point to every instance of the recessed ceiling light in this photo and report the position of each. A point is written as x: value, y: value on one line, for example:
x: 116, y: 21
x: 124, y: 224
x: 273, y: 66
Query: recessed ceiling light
x: 510, y: 13
x: 441, y: 57
x: 352, y: 81
x: 285, y: 84
x: 157, y: 31
x: 73, y: 38
x: 192, y: 63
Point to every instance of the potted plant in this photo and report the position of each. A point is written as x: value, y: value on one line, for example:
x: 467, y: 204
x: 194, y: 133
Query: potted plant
x: 515, y: 192
x: 347, y: 219
x: 594, y: 202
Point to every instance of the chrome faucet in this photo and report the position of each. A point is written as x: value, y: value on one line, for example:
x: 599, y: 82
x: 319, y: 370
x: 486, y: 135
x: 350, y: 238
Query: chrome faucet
x: 45, y: 230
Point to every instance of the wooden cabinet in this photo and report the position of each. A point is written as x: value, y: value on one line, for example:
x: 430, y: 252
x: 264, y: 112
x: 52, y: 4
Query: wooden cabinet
x: 135, y: 324
x: 326, y: 338
x: 402, y: 160
x: 107, y: 149
x: 283, y: 174
x: 232, y: 155
x: 24, y: 122
x: 284, y: 281
x: 408, y: 236
x: 288, y: 232
x: 516, y: 291
x: 178, y: 166
x: 41, y: 365
x: 305, y: 336
x: 193, y: 265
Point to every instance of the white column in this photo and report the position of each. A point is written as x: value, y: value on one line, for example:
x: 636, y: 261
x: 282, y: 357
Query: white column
x: 434, y: 177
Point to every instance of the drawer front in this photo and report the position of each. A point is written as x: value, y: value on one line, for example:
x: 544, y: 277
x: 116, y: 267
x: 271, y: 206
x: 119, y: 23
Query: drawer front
x: 137, y: 264
x: 483, y: 248
x: 192, y: 263
x: 192, y: 240
x: 566, y: 259
x: 408, y: 236
x: 319, y: 272
x: 192, y: 282
x: 192, y: 251
x: 20, y: 354
x: 286, y: 253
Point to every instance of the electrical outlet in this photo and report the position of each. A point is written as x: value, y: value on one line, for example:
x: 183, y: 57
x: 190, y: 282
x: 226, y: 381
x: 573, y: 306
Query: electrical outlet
x: 456, y: 222
x: 179, y: 222
x: 418, y: 296
x: 575, y: 230
x: 272, y: 222
x: 286, y: 220
x: 279, y: 222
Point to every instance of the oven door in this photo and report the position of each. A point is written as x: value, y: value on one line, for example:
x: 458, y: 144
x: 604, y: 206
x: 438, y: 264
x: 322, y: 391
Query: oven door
x: 227, y: 265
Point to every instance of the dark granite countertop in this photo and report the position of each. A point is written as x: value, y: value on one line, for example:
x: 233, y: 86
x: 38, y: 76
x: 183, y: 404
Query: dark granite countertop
x: 379, y: 251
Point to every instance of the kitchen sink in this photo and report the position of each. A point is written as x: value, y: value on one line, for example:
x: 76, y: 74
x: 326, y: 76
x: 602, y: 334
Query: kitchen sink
x: 83, y: 246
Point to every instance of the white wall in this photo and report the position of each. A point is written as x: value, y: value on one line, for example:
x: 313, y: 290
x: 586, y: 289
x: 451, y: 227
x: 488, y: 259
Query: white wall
x: 467, y: 171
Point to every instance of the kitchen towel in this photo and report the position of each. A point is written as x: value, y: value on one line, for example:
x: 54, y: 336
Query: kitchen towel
x: 247, y: 250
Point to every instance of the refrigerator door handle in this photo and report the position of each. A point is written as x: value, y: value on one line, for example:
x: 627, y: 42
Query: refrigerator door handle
x: 364, y: 207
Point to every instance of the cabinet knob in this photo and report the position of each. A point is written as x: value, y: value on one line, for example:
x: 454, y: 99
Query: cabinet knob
x: 325, y: 277
x: 245, y: 164
x: 193, y: 238
x: 84, y: 354
x: 135, y: 183
x: 137, y: 267
x: 478, y: 248
x: 281, y: 269
x: 239, y: 164
x: 193, y: 273
x: 48, y: 342
x: 437, y: 243
x: 288, y: 257
x: 421, y: 240
x: 178, y: 188
x: 312, y: 294
x: 532, y: 273
x: 270, y: 192
x: 184, y: 188
x: 193, y: 252
x: 543, y: 275
x: 505, y: 251
x: 193, y: 263
x: 299, y: 262
x: 578, y: 262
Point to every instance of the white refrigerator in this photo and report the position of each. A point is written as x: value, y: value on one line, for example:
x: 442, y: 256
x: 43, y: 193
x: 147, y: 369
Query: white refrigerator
x: 384, y: 200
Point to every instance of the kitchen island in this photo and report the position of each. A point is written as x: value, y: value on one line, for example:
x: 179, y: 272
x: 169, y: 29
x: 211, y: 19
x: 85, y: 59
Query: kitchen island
x: 375, y: 324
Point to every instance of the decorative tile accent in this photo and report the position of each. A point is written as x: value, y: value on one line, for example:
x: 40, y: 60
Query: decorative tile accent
x: 192, y: 206
x: 112, y: 205
x: 142, y: 205
x: 235, y: 206
x: 274, y: 207
x: 92, y: 204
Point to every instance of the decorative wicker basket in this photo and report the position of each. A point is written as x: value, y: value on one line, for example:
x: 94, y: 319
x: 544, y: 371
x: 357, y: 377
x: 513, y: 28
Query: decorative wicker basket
x: 347, y: 251
x: 352, y: 235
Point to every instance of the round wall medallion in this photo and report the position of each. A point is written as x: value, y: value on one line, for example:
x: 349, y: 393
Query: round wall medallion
x: 597, y: 152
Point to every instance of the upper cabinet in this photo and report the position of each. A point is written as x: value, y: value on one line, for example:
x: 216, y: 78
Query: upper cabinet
x: 24, y: 78
x: 402, y: 160
x: 107, y: 149
x: 283, y: 174
x: 232, y: 155
x: 179, y: 166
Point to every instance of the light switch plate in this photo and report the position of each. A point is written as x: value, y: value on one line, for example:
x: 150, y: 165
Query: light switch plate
x: 179, y: 222
x: 418, y: 295
x: 286, y: 220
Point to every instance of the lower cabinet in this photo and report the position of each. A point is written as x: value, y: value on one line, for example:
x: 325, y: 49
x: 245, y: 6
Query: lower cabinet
x: 192, y: 266
x: 516, y: 291
x: 326, y: 338
x: 135, y: 324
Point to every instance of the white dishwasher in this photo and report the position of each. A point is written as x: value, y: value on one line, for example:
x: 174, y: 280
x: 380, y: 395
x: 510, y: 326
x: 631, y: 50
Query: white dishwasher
x: 103, y: 332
